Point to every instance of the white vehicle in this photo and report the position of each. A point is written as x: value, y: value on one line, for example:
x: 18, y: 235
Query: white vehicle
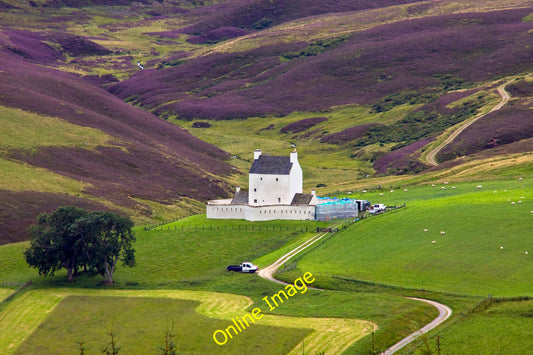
x: 377, y: 208
x: 244, y: 267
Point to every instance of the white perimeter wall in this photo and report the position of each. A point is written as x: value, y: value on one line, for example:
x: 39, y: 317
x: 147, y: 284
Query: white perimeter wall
x: 260, y: 213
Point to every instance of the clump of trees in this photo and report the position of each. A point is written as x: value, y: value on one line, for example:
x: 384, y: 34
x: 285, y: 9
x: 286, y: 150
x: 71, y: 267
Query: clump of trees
x: 75, y: 239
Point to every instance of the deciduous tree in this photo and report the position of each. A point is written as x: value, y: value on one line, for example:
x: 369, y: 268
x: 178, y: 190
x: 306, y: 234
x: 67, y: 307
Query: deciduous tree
x: 54, y: 245
x: 73, y: 238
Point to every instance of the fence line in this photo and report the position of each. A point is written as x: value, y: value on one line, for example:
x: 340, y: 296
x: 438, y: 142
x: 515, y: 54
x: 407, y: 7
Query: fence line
x: 23, y: 285
x: 240, y: 227
x: 187, y: 226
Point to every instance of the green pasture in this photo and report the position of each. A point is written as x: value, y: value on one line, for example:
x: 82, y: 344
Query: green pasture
x: 189, y: 258
x: 4, y: 292
x: 139, y: 326
x: 503, y: 328
x: 321, y: 163
x: 466, y: 228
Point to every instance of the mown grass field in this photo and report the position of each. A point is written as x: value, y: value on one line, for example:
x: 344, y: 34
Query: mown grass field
x: 193, y: 258
x: 139, y: 325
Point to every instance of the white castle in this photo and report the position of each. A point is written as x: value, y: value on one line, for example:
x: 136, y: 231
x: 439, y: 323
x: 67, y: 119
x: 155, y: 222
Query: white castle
x: 275, y: 186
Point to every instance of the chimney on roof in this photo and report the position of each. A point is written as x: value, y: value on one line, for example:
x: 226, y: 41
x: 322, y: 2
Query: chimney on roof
x: 238, y: 189
x: 257, y: 154
x: 313, y: 192
x: 294, y: 156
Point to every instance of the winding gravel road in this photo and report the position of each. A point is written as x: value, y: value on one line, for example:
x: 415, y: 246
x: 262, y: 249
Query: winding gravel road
x: 444, y: 311
x: 430, y: 157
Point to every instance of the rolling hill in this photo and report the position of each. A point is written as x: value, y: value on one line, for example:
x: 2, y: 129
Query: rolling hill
x: 366, y: 86
x: 140, y: 157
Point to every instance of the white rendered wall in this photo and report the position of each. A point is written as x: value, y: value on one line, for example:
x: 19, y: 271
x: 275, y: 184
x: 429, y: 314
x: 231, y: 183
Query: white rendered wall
x: 296, y: 179
x: 218, y: 211
x: 261, y: 213
x: 267, y: 189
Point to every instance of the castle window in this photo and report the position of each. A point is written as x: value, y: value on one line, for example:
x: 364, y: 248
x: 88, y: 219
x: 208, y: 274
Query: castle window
x: 255, y: 200
x: 276, y: 179
x: 279, y: 199
x: 255, y: 190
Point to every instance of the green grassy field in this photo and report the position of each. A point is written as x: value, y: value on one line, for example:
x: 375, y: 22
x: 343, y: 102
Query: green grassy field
x: 501, y: 327
x: 194, y: 258
x: 392, y: 252
x: 441, y: 233
x: 139, y: 326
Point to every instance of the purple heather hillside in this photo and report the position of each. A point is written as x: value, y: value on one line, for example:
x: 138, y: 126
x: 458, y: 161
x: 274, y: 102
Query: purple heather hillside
x: 152, y: 159
x: 504, y: 127
x: 259, y: 14
x: 302, y: 125
x: 403, y: 160
x: 37, y: 46
x: 426, y: 55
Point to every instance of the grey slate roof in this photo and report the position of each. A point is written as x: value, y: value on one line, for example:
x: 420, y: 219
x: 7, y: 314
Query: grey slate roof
x: 271, y: 165
x: 240, y: 198
x: 301, y: 199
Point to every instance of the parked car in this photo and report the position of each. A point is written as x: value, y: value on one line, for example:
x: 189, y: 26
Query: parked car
x: 377, y: 208
x: 243, y: 267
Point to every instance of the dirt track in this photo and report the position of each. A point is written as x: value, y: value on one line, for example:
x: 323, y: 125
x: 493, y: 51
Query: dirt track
x: 430, y: 157
x: 444, y: 311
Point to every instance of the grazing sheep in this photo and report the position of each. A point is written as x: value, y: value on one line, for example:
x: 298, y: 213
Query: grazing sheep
x: 425, y: 230
x: 501, y: 246
x: 479, y: 186
x: 433, y: 242
x: 442, y: 232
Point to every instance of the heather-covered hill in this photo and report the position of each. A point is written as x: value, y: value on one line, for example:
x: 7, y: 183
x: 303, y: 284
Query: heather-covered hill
x: 146, y: 159
x: 362, y: 86
x: 433, y: 54
x: 508, y: 130
x: 227, y: 16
